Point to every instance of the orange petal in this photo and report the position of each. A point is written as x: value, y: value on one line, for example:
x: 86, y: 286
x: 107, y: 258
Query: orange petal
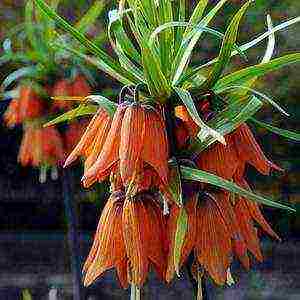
x: 213, y: 246
x: 109, y: 154
x: 182, y: 113
x: 108, y: 249
x: 136, y: 241
x: 247, y: 228
x: 249, y: 151
x: 156, y: 148
x: 220, y: 159
x: 157, y: 235
x: 132, y: 137
x: 238, y: 242
x: 98, y: 122
x: 255, y: 212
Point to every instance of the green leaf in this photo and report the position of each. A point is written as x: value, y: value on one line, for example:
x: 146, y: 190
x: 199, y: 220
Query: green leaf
x: 79, y: 111
x: 196, y: 15
x: 205, y: 131
x: 165, y: 26
x: 243, y: 48
x: 90, y: 16
x: 181, y: 230
x: 115, y: 22
x: 31, y: 71
x: 103, y: 102
x: 91, y: 60
x: 256, y: 93
x: 236, y: 113
x: 126, y: 44
x: 107, y: 64
x: 226, y: 49
x: 184, y: 53
x: 242, y: 76
x: 202, y: 176
x: 175, y: 187
x: 282, y: 132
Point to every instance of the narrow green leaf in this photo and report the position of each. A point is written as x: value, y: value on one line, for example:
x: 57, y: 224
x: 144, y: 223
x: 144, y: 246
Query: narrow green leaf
x: 181, y: 229
x: 242, y: 48
x: 184, y: 53
x: 205, y: 131
x: 282, y: 132
x: 237, y: 112
x: 90, y: 16
x: 94, y: 61
x: 202, y: 176
x: 79, y: 111
x: 256, y: 93
x: 175, y: 187
x: 226, y: 49
x: 115, y: 22
x: 242, y: 76
x: 30, y: 71
x: 108, y: 64
x: 165, y: 26
x: 196, y: 15
x: 103, y: 102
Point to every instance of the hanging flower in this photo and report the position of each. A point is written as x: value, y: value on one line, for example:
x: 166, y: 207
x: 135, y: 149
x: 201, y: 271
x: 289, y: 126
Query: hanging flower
x: 129, y: 146
x: 12, y: 115
x: 108, y: 250
x: 92, y: 140
x: 40, y: 146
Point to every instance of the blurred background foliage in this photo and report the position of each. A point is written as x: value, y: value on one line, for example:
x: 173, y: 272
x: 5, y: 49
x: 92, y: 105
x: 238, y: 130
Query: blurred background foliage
x: 29, y: 205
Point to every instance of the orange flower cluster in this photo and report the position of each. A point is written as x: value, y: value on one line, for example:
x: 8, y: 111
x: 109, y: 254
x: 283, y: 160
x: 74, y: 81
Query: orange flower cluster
x: 45, y: 146
x: 132, y: 149
x: 126, y: 149
x: 28, y: 106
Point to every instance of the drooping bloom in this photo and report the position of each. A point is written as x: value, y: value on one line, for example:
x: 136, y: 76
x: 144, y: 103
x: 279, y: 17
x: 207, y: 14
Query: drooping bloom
x: 225, y: 228
x: 108, y: 250
x: 130, y: 146
x: 144, y: 237
x: 92, y: 140
x: 27, y: 106
x: 130, y: 237
x: 41, y: 146
x: 12, y: 115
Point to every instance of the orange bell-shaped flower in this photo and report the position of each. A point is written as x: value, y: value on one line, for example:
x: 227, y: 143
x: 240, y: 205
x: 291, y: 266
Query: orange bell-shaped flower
x: 108, y: 250
x: 144, y: 237
x: 92, y: 140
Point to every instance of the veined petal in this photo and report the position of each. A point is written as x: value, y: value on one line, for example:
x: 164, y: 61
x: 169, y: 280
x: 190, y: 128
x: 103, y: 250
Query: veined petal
x: 213, y: 245
x: 108, y: 249
x: 109, y: 154
x: 98, y: 123
x: 136, y: 241
x: 249, y: 151
x: 156, y: 148
x: 132, y: 140
x: 221, y: 160
x: 247, y: 228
